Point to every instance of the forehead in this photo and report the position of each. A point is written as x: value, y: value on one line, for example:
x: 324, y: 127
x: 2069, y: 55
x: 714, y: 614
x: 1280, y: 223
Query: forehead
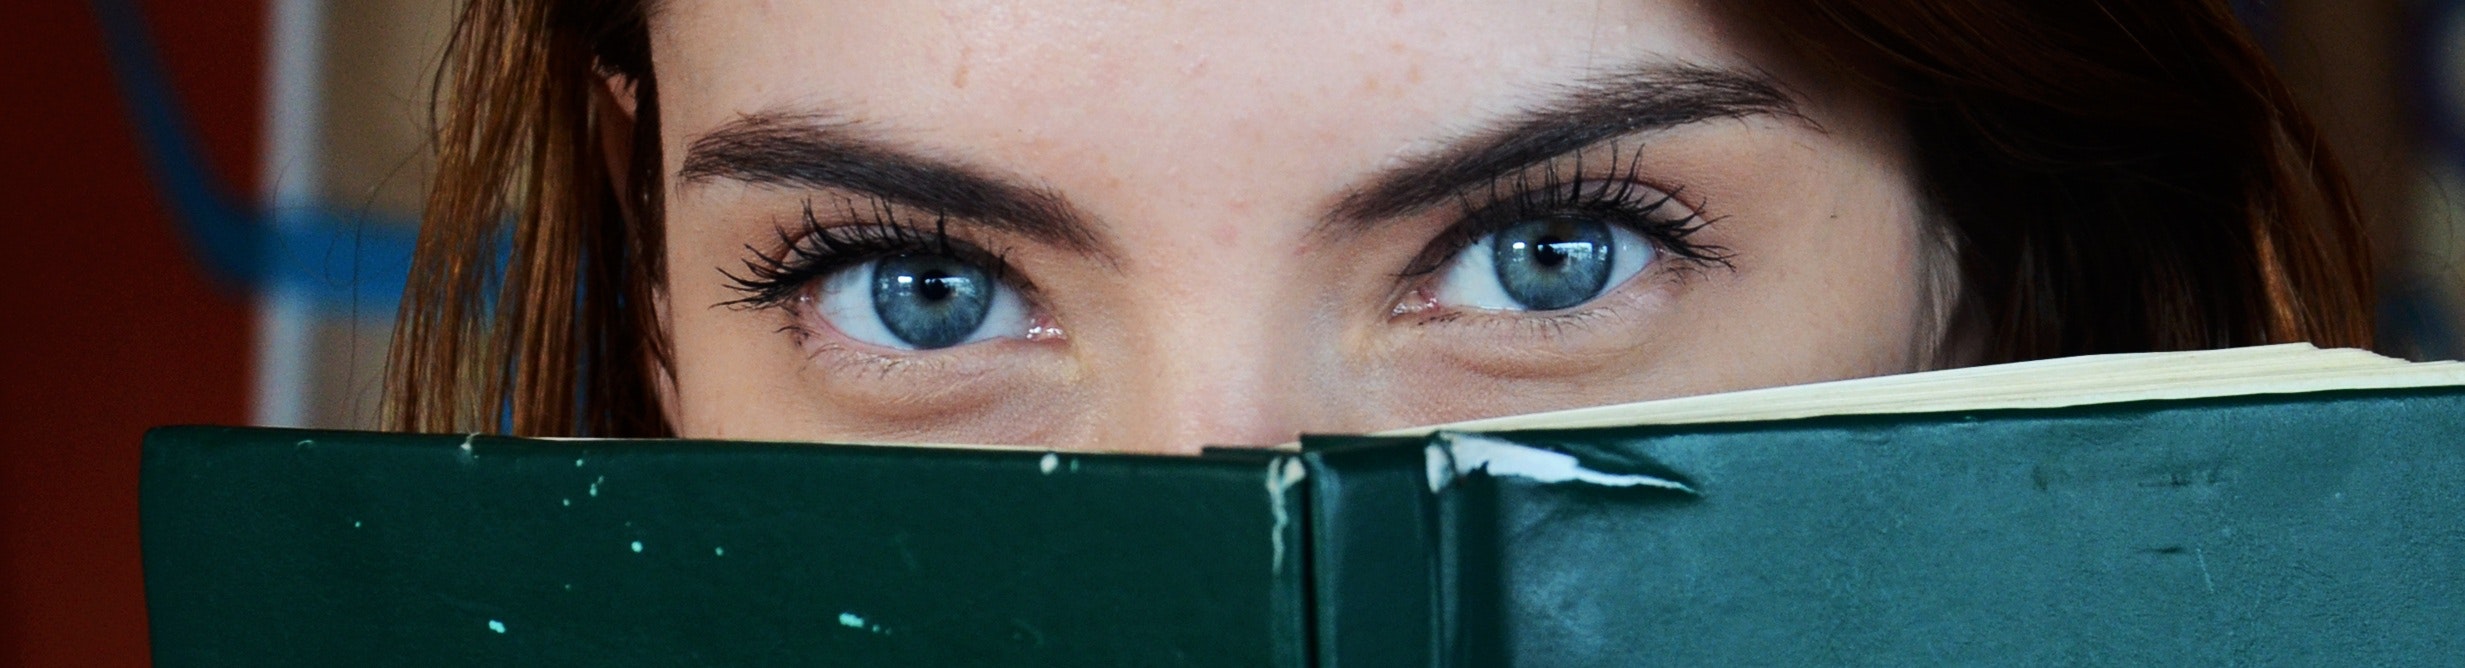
x: 1305, y: 85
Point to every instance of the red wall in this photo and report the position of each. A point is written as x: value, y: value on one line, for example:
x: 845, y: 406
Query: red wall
x: 106, y: 326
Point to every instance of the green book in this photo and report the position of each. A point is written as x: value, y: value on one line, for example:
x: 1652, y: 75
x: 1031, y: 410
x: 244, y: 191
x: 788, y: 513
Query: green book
x: 2270, y: 505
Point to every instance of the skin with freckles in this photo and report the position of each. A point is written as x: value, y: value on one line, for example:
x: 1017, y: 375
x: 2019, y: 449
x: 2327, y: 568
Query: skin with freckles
x: 1231, y: 223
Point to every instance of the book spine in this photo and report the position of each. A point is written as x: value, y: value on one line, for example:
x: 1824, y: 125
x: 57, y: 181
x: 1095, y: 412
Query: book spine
x: 1403, y: 558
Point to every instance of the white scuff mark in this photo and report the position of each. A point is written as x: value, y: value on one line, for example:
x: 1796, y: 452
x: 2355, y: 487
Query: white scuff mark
x: 1441, y: 467
x: 718, y: 551
x: 595, y: 485
x: 577, y: 462
x: 1282, y: 474
x: 855, y: 621
x: 1460, y: 454
x: 1049, y: 463
x: 637, y: 547
x: 354, y: 524
x: 2202, y: 556
x: 467, y: 454
x: 497, y: 626
x: 565, y: 501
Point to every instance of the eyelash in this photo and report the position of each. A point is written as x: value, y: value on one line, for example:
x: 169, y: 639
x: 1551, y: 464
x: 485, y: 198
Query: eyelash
x: 1613, y: 200
x: 815, y: 250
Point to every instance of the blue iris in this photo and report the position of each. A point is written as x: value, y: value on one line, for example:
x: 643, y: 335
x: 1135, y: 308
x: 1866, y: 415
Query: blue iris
x: 1553, y: 263
x: 931, y: 301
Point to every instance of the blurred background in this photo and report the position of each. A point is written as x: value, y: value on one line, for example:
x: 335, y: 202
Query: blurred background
x: 211, y: 206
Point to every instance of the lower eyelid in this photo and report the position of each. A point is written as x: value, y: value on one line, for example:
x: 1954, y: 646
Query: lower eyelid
x: 840, y: 358
x: 1656, y: 282
x: 1554, y: 323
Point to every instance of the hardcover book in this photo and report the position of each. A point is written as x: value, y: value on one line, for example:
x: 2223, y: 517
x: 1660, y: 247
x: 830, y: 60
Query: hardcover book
x: 2262, y: 505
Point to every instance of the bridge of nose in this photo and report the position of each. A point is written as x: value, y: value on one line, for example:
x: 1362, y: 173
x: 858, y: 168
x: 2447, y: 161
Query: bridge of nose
x: 1225, y: 360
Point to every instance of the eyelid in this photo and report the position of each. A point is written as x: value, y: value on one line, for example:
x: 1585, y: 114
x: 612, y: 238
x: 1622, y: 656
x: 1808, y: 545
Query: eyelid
x: 1614, y: 200
x: 815, y: 249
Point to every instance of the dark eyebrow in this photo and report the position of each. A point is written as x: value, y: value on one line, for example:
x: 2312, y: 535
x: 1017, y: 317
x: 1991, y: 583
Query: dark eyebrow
x: 1597, y: 109
x: 823, y: 152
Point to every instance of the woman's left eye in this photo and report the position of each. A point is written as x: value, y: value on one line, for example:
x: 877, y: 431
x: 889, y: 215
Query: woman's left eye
x: 1548, y: 263
x: 920, y: 302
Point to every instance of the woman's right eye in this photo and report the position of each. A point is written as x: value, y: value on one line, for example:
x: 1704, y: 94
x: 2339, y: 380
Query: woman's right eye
x: 920, y: 302
x: 1548, y: 263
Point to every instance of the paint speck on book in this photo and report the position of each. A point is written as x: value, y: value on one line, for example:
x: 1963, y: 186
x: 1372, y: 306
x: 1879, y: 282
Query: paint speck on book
x: 497, y: 626
x: 854, y: 621
x: 637, y: 547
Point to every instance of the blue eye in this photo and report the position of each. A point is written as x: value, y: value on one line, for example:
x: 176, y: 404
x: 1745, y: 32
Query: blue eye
x: 921, y: 302
x: 1551, y: 264
x: 1544, y: 264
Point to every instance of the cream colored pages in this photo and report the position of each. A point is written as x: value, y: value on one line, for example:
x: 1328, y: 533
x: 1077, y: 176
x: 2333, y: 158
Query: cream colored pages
x: 2070, y: 381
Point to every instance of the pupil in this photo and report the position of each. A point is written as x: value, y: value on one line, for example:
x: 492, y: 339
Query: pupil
x: 1548, y: 252
x: 933, y: 286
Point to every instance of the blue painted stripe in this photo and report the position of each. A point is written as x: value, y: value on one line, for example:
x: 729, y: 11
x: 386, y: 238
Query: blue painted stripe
x: 348, y: 263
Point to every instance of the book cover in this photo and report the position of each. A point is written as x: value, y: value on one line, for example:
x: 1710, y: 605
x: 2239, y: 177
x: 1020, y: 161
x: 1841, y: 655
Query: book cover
x: 2306, y: 528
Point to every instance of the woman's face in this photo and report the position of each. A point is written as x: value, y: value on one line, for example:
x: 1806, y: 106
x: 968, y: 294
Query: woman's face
x: 1152, y: 226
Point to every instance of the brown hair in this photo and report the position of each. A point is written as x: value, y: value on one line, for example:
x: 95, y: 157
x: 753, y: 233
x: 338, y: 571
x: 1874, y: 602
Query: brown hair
x: 530, y: 305
x: 2116, y: 176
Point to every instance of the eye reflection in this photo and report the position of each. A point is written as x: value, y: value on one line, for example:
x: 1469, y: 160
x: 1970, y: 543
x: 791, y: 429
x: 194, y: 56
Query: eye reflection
x: 1546, y: 264
x: 920, y: 302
